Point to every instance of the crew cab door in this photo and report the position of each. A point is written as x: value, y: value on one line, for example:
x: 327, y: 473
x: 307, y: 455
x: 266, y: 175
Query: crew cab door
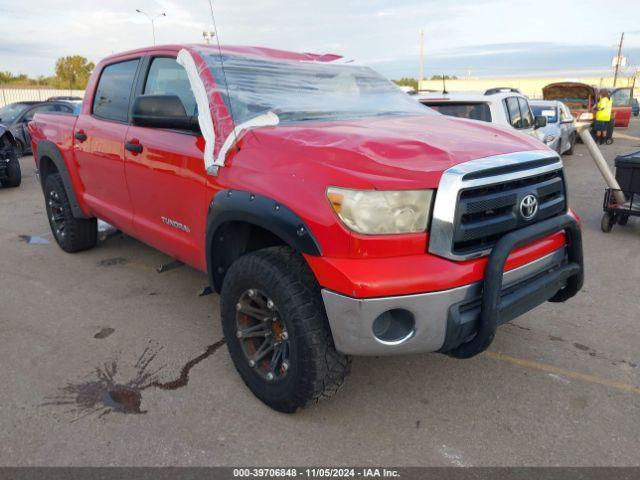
x: 520, y: 116
x: 166, y: 173
x: 99, y: 144
x: 621, y: 99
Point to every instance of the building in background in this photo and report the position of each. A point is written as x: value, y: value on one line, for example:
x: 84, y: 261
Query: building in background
x: 529, y: 86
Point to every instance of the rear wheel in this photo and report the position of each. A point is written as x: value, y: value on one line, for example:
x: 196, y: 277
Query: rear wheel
x: 623, y: 219
x: 277, y: 332
x: 606, y: 224
x: 72, y: 234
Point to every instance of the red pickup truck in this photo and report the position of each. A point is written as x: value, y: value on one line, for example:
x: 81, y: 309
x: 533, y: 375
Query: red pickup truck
x: 334, y: 214
x: 582, y: 98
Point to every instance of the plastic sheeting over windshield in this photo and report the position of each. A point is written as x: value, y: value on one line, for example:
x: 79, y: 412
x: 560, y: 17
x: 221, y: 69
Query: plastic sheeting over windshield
x: 300, y: 91
x: 246, y: 89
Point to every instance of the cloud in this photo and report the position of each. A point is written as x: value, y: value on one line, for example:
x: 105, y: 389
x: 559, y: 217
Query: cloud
x: 521, y: 59
x: 33, y: 33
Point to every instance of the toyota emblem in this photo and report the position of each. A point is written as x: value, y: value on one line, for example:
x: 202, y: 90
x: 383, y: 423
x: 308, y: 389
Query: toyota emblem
x: 529, y: 206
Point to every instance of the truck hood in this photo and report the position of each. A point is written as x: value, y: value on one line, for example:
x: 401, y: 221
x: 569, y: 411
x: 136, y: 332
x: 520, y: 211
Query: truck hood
x: 403, y: 147
x: 562, y: 90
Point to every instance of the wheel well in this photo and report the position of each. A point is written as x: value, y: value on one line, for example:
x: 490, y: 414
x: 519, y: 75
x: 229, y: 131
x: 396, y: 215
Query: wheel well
x: 47, y: 167
x: 6, y: 139
x: 234, y: 239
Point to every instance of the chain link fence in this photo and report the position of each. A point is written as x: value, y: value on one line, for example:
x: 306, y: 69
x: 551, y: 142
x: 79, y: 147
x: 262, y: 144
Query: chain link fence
x: 11, y: 95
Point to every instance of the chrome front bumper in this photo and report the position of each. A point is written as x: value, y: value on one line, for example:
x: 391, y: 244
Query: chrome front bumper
x: 351, y: 319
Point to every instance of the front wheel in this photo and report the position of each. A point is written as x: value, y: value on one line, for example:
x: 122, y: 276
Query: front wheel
x: 72, y: 234
x: 572, y: 144
x: 277, y: 331
x: 13, y: 174
x: 606, y: 224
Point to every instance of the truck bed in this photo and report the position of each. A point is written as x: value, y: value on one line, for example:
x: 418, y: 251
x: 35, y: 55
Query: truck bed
x: 54, y: 127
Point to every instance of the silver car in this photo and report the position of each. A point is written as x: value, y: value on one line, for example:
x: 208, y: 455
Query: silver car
x: 560, y: 133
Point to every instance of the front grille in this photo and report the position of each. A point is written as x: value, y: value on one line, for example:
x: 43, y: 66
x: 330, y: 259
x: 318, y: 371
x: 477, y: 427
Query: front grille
x: 486, y: 213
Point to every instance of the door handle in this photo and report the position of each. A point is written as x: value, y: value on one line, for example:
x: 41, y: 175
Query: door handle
x: 80, y: 136
x: 133, y: 146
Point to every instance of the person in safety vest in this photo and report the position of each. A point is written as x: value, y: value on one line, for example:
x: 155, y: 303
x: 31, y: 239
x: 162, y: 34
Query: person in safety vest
x: 603, y: 116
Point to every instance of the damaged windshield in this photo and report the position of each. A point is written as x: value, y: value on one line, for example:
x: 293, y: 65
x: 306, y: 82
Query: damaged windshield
x: 10, y: 112
x: 303, y: 91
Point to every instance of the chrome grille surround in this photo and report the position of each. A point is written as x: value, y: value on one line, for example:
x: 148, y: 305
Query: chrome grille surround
x: 482, y: 172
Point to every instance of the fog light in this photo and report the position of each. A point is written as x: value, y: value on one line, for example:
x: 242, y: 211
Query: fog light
x: 394, y: 326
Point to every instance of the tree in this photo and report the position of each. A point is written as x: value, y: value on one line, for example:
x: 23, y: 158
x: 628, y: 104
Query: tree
x: 443, y: 77
x: 407, y: 82
x: 73, y: 72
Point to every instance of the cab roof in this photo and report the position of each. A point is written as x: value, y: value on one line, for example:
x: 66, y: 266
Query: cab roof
x: 245, y: 51
x: 477, y: 97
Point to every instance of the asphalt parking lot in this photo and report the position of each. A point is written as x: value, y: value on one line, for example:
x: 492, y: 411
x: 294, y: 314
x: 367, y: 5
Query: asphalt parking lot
x: 559, y: 386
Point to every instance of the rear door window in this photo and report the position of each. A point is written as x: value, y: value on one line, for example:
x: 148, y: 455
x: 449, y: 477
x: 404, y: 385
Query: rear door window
x: 168, y: 77
x: 471, y: 110
x: 113, y: 93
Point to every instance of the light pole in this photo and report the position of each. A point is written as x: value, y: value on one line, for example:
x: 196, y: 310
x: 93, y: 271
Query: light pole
x: 618, y: 60
x: 152, y: 20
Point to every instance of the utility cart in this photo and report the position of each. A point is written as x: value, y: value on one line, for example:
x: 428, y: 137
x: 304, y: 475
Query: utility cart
x: 628, y: 176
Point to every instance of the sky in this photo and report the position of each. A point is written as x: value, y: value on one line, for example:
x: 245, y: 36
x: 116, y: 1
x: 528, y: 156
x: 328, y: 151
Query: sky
x: 464, y: 37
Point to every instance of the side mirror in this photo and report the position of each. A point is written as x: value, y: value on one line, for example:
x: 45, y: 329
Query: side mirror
x: 540, y: 121
x: 162, y: 111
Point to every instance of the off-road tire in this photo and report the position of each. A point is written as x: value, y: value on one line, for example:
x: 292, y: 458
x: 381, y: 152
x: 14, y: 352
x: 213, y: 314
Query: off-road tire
x: 79, y: 233
x: 316, y: 369
x: 13, y: 174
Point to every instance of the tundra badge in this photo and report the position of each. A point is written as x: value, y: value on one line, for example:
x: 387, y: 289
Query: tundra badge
x: 174, y: 224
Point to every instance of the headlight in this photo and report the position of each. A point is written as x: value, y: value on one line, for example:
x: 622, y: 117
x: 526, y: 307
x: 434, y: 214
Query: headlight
x: 585, y: 116
x: 549, y: 138
x: 377, y: 212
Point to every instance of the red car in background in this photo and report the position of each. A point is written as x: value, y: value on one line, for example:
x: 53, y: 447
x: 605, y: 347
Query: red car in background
x: 581, y: 98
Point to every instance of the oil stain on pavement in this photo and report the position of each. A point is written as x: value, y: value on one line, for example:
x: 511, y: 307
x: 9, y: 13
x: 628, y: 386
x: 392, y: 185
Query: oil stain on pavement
x: 110, y: 262
x: 101, y: 394
x: 104, y: 333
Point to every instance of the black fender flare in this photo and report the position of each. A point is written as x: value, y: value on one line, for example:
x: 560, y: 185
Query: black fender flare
x: 229, y: 206
x: 50, y: 150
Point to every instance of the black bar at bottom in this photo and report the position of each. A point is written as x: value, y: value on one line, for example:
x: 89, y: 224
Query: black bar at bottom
x: 492, y: 306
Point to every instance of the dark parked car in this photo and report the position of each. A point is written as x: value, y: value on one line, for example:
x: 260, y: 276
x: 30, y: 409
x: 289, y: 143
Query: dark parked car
x: 64, y: 98
x: 15, y: 117
x: 635, y: 107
